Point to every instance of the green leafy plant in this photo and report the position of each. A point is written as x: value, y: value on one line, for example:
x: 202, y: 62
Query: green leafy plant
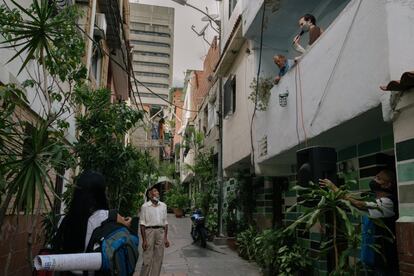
x: 261, y: 95
x: 269, y: 254
x: 334, y: 208
x: 291, y: 259
x: 176, y: 198
x: 100, y: 147
x: 212, y: 223
x: 273, y: 250
x: 330, y: 204
x: 29, y: 152
x: 245, y: 243
x: 230, y: 216
x: 32, y: 150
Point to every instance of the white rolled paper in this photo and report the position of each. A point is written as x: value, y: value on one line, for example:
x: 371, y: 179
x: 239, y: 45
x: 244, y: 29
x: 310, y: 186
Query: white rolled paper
x: 68, y: 262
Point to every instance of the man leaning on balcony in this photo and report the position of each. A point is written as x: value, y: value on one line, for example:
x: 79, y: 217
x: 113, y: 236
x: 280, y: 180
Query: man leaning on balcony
x: 308, y: 24
x: 284, y: 65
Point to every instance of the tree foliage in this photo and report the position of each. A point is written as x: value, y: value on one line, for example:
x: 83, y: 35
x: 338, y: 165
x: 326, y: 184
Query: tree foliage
x: 101, y: 147
x: 333, y: 208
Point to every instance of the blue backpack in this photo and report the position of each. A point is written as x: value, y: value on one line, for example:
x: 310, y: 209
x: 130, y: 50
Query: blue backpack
x: 118, y: 245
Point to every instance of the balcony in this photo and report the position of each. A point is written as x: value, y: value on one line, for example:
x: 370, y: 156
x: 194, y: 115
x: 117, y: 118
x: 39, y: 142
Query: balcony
x: 334, y: 98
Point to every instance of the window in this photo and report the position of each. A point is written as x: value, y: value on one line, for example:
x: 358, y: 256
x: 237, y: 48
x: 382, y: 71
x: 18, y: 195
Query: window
x: 150, y: 95
x: 152, y: 54
x: 152, y: 64
x: 153, y: 84
x: 161, y: 34
x: 232, y: 5
x: 230, y: 96
x: 96, y: 63
x: 205, y: 119
x: 149, y: 74
x: 212, y: 118
x: 147, y: 25
x: 150, y: 43
x: 154, y: 109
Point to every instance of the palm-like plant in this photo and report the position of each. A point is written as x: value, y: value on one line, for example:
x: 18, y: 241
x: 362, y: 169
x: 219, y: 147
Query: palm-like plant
x: 43, y: 34
x: 32, y: 151
x: 332, y: 205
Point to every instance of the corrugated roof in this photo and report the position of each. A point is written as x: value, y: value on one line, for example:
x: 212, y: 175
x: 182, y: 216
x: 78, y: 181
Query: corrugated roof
x: 226, y: 45
x: 406, y: 82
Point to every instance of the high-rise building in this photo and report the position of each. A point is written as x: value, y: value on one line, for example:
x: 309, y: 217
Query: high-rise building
x: 152, y: 38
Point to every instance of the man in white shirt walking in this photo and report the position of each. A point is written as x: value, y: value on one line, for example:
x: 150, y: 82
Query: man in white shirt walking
x: 154, y: 231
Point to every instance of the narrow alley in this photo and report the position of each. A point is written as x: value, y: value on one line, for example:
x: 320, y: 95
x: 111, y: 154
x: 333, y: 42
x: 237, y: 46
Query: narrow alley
x: 183, y: 258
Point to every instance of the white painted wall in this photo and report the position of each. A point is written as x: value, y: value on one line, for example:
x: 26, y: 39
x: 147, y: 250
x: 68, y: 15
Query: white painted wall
x: 250, y: 10
x: 400, y: 27
x: 185, y: 172
x: 227, y: 23
x: 356, y: 71
x: 9, y: 74
x: 236, y: 128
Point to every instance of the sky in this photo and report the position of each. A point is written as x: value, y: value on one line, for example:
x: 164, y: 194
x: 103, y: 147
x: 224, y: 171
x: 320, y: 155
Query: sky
x: 189, y: 49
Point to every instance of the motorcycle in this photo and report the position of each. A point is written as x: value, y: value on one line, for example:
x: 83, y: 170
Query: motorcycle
x: 198, y: 229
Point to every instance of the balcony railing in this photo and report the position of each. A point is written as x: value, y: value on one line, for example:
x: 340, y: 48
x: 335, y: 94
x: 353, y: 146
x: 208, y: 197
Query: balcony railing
x: 335, y: 81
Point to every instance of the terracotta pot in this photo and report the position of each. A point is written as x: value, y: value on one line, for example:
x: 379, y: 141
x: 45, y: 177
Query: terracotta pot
x: 179, y: 213
x: 231, y: 243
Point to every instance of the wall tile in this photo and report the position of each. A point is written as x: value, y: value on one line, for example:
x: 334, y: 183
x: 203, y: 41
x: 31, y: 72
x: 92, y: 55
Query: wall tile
x: 406, y: 172
x: 369, y: 147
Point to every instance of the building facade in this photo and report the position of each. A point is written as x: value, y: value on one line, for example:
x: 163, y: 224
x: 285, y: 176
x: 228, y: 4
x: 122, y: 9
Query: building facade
x: 104, y: 26
x: 152, y: 39
x: 330, y: 98
x: 152, y: 46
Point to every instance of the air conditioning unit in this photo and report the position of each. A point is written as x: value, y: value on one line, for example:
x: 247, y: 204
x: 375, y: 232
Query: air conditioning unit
x: 100, y: 25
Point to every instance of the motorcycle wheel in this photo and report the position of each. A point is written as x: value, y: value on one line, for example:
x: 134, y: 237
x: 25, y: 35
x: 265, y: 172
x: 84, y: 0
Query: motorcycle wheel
x: 203, y: 238
x: 194, y: 234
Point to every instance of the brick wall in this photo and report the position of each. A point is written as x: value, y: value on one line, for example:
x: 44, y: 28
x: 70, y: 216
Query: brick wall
x: 14, y: 243
x: 202, y: 80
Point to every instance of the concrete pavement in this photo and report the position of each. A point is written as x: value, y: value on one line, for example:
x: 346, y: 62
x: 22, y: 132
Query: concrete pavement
x: 183, y: 258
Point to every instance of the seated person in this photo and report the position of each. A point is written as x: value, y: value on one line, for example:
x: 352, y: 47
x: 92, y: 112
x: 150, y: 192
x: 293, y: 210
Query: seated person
x: 308, y: 24
x: 284, y: 65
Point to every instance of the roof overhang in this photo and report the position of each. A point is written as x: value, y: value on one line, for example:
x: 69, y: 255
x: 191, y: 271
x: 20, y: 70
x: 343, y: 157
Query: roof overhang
x: 230, y: 50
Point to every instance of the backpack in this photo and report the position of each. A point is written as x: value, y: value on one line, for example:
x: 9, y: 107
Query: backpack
x: 118, y: 245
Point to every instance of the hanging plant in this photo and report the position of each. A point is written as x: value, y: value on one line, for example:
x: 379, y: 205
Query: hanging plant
x: 261, y: 96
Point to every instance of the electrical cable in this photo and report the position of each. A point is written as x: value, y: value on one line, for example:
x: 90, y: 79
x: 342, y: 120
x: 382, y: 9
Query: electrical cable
x: 297, y: 109
x: 257, y: 89
x: 301, y: 106
x: 129, y: 74
x: 129, y: 66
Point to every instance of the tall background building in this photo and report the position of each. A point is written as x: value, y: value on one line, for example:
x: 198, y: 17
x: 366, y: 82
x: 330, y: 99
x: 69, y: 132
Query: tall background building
x: 152, y: 39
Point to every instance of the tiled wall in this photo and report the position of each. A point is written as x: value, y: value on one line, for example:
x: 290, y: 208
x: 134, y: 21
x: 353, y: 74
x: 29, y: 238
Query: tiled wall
x: 263, y: 192
x: 405, y: 174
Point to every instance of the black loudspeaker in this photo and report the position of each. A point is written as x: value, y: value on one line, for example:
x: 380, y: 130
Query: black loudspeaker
x: 316, y: 163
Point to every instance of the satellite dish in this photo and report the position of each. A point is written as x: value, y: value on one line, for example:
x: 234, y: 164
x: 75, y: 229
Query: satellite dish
x: 206, y: 18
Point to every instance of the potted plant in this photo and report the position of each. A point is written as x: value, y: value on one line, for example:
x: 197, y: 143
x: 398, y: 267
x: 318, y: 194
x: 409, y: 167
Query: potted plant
x: 260, y: 94
x: 177, y: 200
